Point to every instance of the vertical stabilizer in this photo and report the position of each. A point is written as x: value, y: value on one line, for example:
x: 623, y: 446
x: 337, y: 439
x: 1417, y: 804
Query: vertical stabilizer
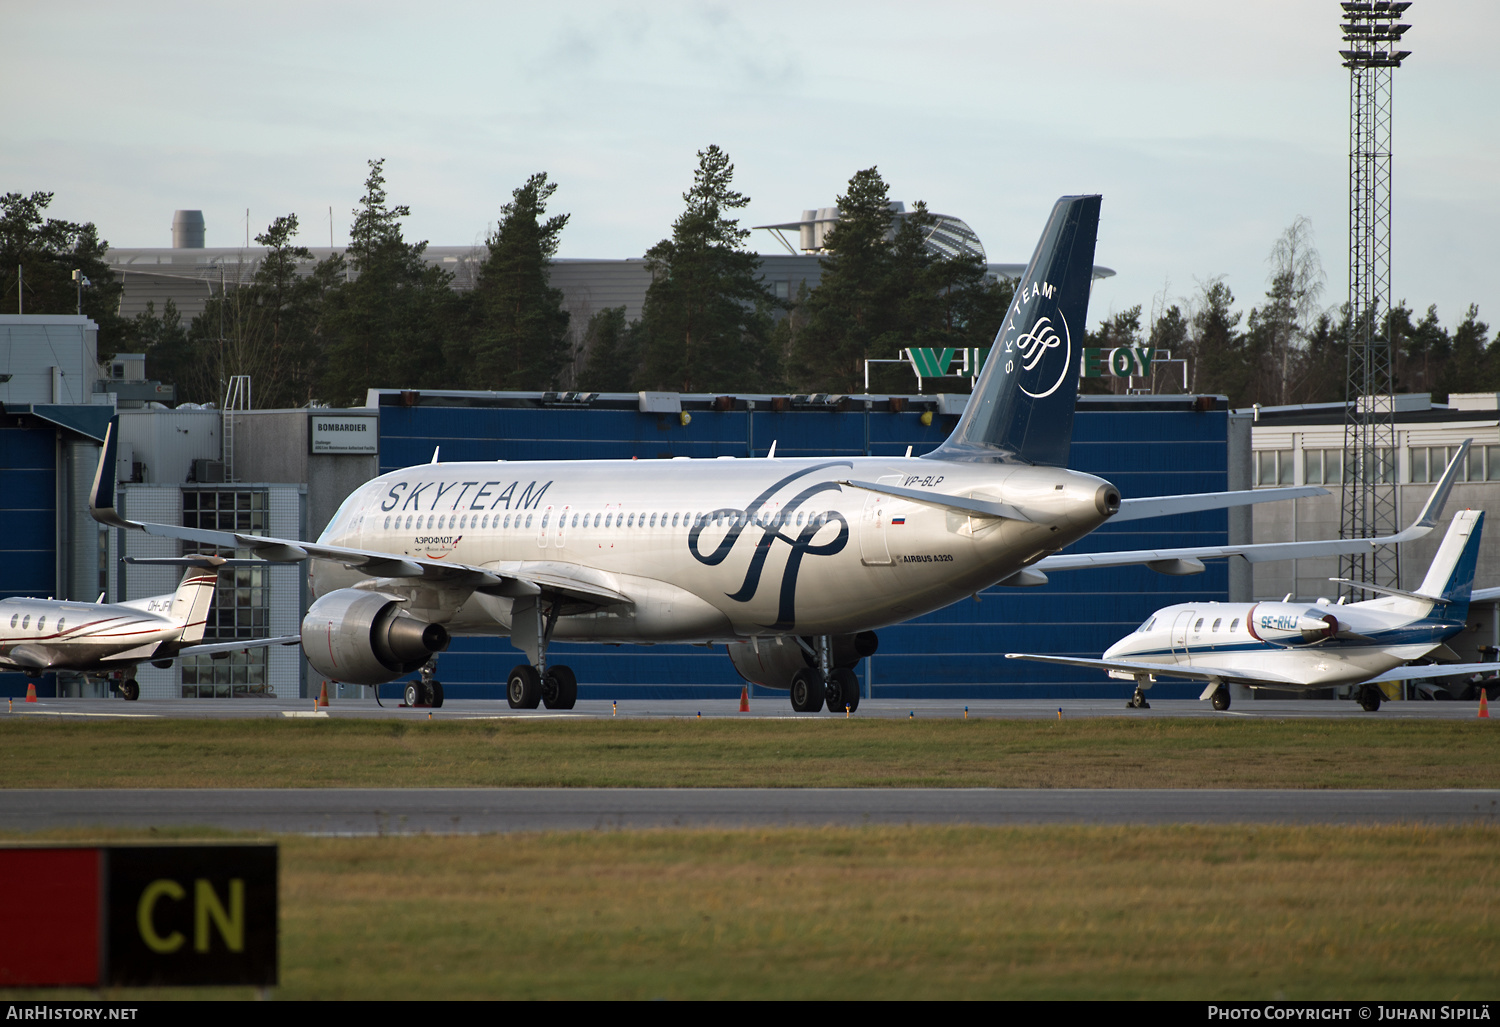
x: 1450, y: 579
x: 1022, y: 407
x: 191, y: 601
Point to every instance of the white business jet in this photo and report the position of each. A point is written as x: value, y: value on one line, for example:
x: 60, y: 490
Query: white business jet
x: 1298, y: 645
x: 791, y: 564
x: 109, y: 640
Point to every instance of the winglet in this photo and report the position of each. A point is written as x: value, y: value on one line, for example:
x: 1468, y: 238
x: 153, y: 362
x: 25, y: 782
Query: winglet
x: 1433, y: 509
x: 102, y: 496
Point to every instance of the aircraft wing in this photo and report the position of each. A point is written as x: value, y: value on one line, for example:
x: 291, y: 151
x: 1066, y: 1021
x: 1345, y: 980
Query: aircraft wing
x: 1419, y: 672
x: 1130, y: 509
x: 1188, y: 560
x: 512, y: 581
x: 1163, y: 506
x: 27, y: 657
x: 207, y: 648
x: 1165, y: 670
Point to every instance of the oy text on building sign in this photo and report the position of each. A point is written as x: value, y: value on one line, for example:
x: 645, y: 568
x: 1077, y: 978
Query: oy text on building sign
x: 1098, y: 361
x: 129, y: 915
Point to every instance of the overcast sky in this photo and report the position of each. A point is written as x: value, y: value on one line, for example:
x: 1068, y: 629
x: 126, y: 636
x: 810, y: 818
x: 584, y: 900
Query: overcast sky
x: 1207, y: 126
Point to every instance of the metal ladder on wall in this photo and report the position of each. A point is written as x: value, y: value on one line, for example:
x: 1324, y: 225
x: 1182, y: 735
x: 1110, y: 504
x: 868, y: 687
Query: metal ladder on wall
x: 236, y: 397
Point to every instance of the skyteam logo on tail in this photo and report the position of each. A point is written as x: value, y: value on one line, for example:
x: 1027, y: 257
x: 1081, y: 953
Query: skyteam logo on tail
x: 1045, y: 353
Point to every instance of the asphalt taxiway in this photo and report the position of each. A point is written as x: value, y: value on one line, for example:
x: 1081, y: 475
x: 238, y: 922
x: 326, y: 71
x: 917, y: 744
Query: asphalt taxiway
x: 775, y: 706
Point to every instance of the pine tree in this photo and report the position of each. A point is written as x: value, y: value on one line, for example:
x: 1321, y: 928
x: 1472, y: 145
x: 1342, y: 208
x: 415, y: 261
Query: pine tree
x: 847, y: 311
x: 385, y: 327
x: 48, y: 251
x: 706, y: 323
x: 520, y: 330
x: 610, y: 346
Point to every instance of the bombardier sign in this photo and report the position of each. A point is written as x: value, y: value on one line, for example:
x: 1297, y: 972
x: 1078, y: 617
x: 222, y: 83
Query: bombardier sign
x: 343, y: 433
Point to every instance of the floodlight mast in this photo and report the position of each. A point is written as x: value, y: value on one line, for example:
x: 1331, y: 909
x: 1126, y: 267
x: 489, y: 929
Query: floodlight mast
x: 1372, y: 34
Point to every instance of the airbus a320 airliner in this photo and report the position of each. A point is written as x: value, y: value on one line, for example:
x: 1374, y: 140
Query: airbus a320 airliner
x: 791, y: 564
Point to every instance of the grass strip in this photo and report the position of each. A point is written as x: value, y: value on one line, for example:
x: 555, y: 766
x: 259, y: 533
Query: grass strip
x: 38, y: 752
x: 1189, y: 912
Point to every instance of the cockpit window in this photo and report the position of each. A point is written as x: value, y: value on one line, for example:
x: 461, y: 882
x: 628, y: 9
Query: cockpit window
x: 1147, y: 626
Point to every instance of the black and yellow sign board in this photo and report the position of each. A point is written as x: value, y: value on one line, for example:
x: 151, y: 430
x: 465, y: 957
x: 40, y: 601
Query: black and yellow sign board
x: 139, y: 915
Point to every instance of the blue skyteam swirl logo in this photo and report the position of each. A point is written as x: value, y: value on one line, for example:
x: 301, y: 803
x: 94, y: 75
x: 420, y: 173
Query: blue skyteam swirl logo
x: 773, y: 529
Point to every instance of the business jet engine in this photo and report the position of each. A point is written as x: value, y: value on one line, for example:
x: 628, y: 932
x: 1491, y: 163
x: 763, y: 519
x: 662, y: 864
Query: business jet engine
x: 364, y: 638
x: 1291, y: 624
x: 773, y: 661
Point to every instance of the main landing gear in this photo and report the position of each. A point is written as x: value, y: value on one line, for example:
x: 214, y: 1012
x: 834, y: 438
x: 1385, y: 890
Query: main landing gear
x: 1138, y: 701
x: 428, y: 690
x: 526, y: 688
x: 529, y: 684
x: 1369, y: 698
x: 812, y: 687
x: 1221, y: 697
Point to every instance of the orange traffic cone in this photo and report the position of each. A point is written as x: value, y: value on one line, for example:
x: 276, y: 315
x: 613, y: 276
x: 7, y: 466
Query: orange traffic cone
x: 744, y: 698
x: 323, y: 697
x: 31, y: 692
x: 1484, y: 705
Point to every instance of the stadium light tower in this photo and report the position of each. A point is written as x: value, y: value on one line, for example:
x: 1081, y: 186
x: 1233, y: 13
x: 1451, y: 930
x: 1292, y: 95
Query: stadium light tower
x: 1372, y: 34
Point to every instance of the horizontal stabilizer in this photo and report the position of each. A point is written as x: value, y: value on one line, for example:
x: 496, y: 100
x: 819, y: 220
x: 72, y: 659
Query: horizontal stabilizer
x: 961, y: 504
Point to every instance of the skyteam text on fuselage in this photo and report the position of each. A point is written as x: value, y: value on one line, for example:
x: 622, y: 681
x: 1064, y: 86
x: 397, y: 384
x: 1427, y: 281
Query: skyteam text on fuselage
x: 792, y: 564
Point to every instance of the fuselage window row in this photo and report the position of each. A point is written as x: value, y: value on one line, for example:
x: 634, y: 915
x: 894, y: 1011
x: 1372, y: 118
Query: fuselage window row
x: 729, y: 519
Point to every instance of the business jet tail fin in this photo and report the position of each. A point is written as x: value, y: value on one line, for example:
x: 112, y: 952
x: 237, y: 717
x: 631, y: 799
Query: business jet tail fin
x: 1450, y: 579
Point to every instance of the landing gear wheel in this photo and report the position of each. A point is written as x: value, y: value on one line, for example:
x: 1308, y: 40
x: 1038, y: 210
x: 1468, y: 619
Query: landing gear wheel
x: 560, y: 689
x: 130, y: 690
x: 1369, y: 698
x: 524, y: 687
x: 1221, y: 698
x: 1138, y: 701
x: 414, y: 694
x: 435, y: 694
x: 842, y: 688
x: 807, y: 691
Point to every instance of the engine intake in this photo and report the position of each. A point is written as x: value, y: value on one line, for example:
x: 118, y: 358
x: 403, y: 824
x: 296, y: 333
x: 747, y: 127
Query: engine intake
x: 365, y: 638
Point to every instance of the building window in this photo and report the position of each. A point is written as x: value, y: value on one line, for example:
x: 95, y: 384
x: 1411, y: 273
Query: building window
x: 1427, y: 463
x: 1323, y: 466
x: 242, y: 604
x: 1275, y: 467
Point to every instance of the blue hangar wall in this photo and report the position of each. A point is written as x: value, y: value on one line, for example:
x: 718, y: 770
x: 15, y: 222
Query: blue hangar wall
x: 1164, y: 446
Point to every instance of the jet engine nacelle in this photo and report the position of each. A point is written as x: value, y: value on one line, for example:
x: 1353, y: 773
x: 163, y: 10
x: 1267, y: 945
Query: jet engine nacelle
x: 364, y: 638
x: 772, y: 661
x: 1291, y: 624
